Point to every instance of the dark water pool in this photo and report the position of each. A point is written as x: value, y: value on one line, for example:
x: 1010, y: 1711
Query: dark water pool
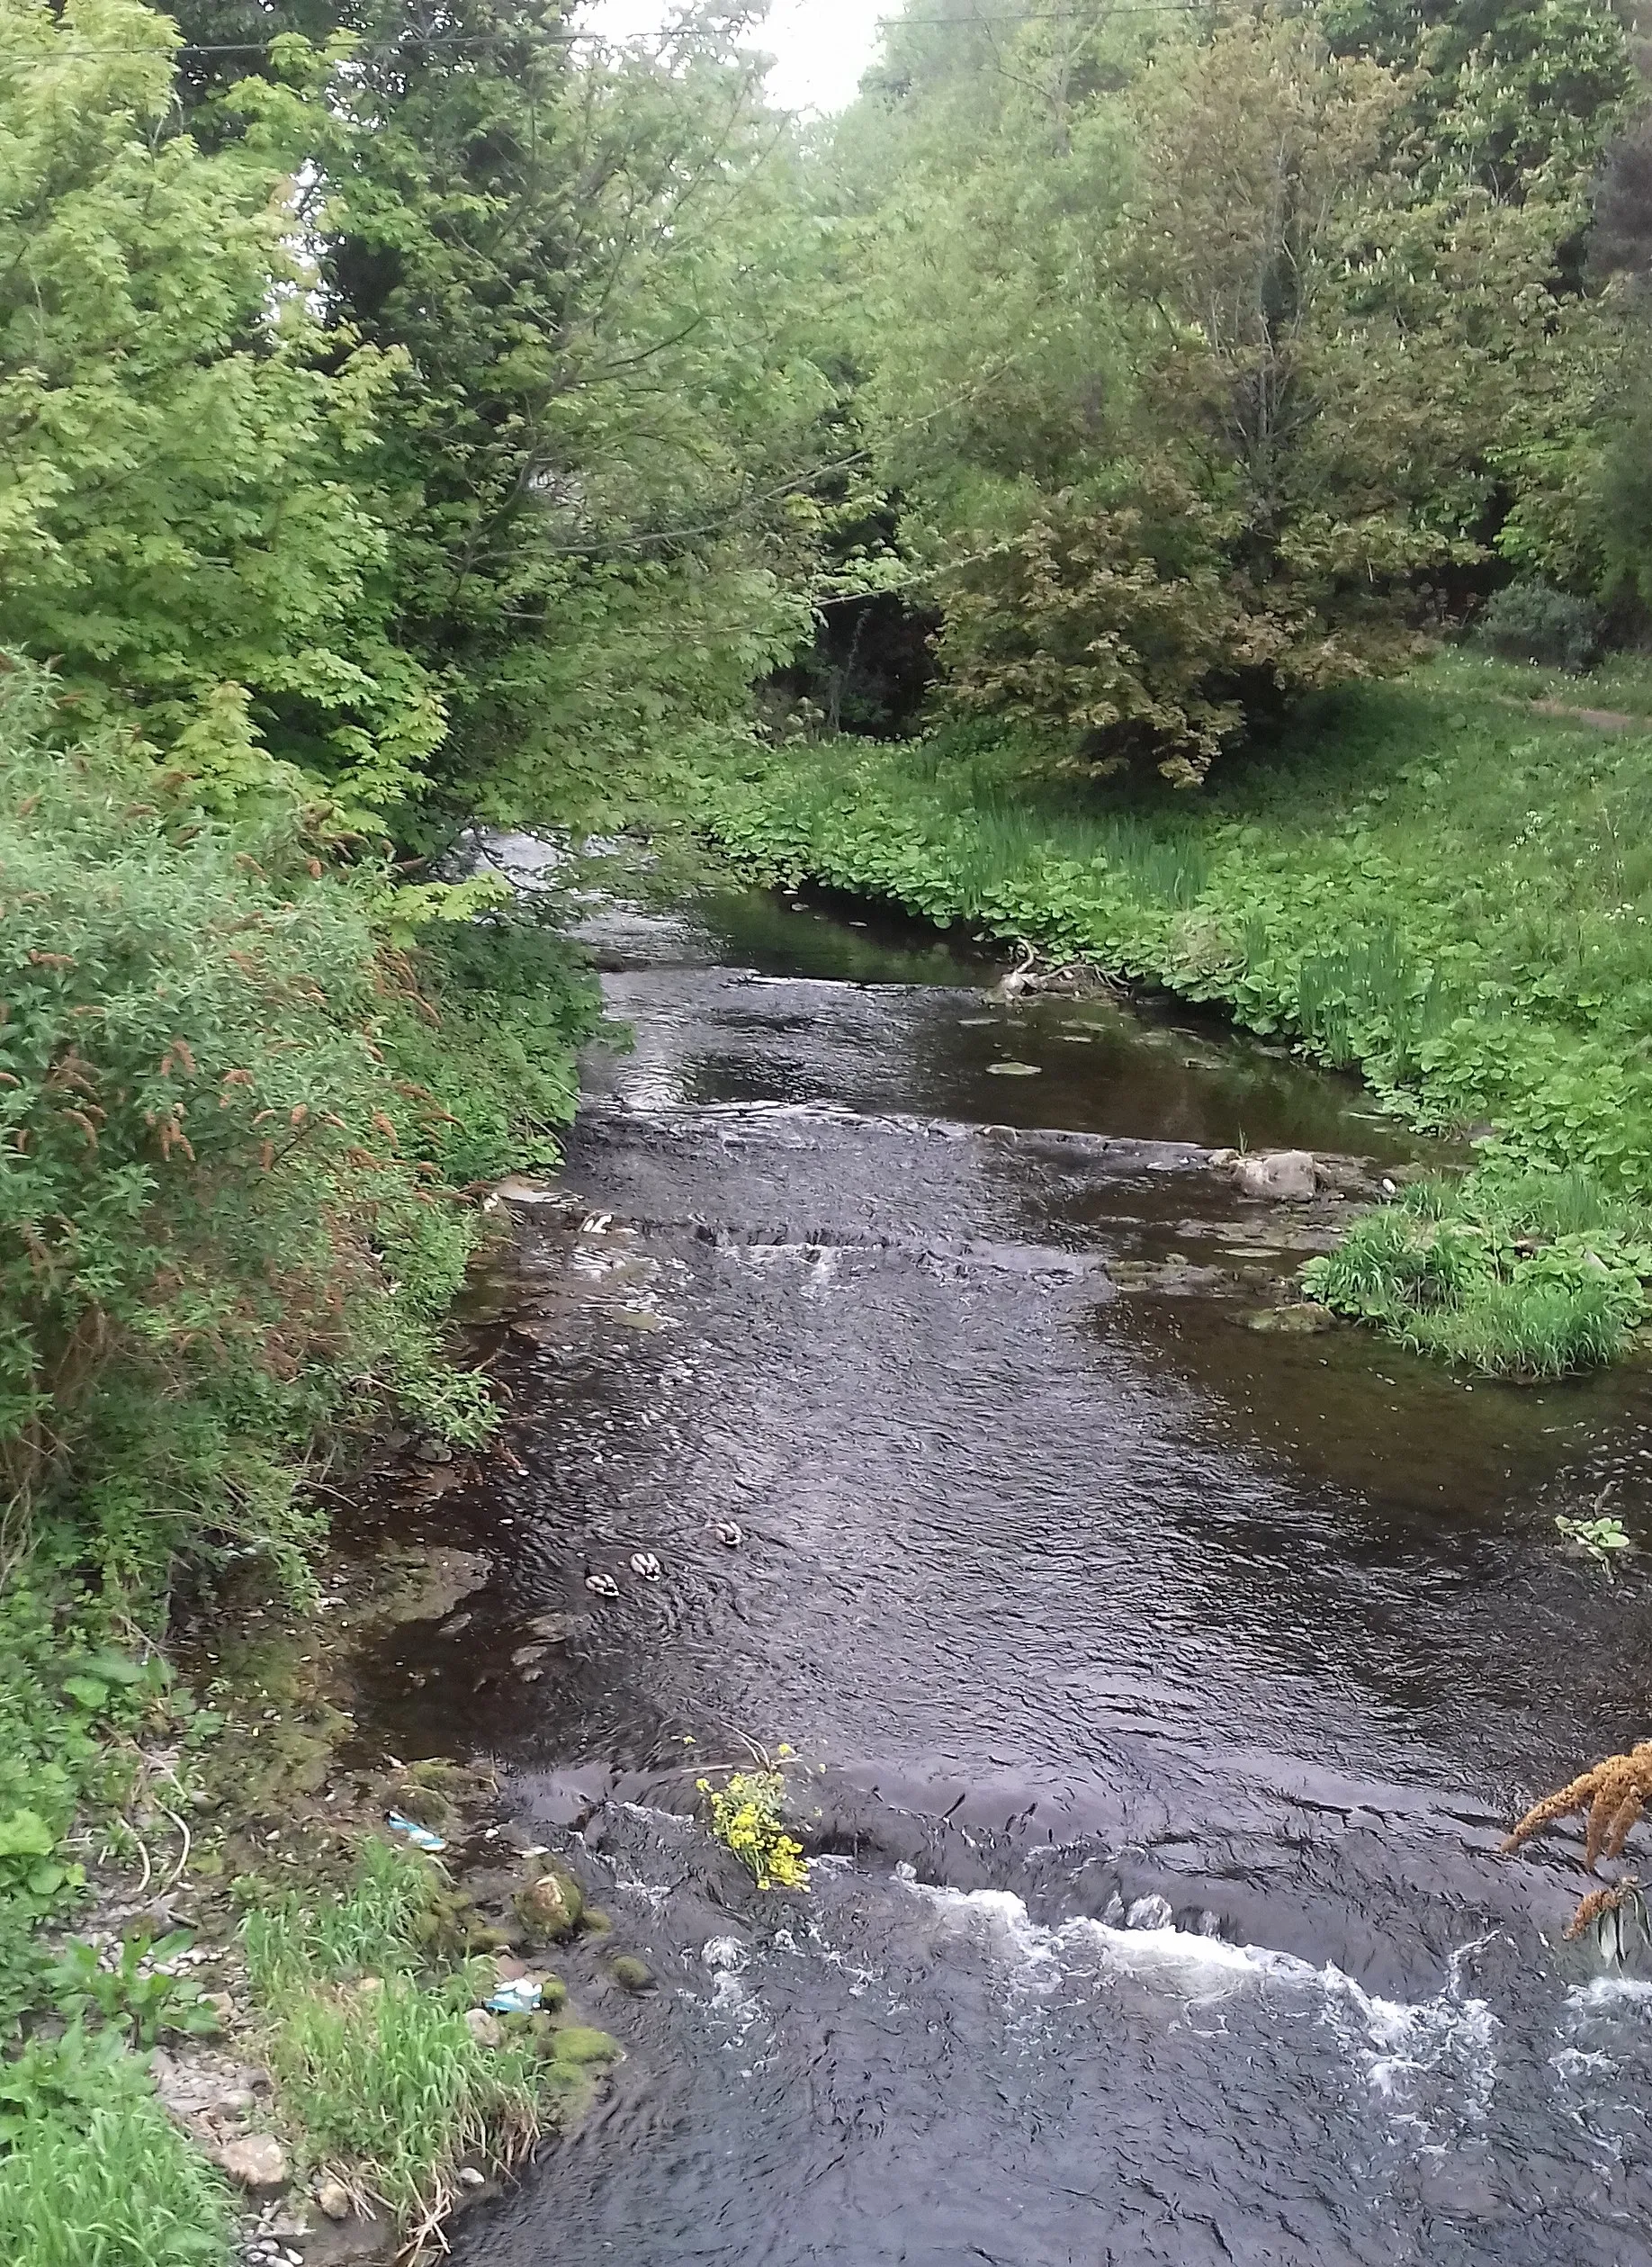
x: 1166, y: 1684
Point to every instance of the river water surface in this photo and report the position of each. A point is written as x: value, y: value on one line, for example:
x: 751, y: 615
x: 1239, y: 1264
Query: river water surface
x: 1166, y: 1684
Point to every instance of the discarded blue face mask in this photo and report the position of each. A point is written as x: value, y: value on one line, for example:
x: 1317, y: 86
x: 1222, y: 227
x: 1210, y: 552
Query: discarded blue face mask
x: 519, y: 1997
x: 419, y: 1836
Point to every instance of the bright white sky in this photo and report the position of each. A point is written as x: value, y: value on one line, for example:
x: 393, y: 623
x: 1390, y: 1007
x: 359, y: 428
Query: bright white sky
x: 820, y: 47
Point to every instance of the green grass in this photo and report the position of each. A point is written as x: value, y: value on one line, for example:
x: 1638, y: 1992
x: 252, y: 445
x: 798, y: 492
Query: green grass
x: 1532, y: 1276
x: 294, y: 1941
x: 377, y: 2071
x: 1621, y: 683
x: 392, y: 2092
x: 1425, y: 880
x: 97, y: 2175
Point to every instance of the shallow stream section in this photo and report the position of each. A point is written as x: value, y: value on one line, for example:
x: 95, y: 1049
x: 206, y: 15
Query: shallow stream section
x: 1165, y: 1681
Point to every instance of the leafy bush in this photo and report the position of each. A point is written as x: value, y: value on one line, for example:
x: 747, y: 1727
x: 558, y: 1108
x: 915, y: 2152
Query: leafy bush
x: 1532, y: 621
x: 504, y: 1005
x: 70, y: 1704
x: 183, y: 454
x: 136, y: 1991
x: 215, y: 1226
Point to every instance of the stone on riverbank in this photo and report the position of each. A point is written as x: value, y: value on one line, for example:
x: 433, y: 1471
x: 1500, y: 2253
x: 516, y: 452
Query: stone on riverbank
x: 257, y: 2161
x: 552, y: 1906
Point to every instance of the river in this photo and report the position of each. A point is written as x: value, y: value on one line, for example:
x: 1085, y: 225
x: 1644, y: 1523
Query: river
x: 1163, y: 1686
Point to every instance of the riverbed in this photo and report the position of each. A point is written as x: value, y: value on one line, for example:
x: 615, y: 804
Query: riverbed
x: 1162, y: 1683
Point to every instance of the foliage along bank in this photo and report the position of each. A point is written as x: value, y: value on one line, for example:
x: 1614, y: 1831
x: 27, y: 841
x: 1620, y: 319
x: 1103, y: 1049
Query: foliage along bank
x: 1203, y: 362
x: 1419, y: 881
x: 243, y: 1081
x: 352, y: 374
x: 405, y: 421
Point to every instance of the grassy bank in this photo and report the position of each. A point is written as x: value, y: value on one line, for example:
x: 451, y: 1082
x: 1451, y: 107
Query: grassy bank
x: 193, y: 1885
x: 1434, y: 882
x: 246, y: 1076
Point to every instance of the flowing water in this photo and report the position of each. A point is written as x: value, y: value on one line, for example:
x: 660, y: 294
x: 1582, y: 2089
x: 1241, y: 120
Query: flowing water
x: 1166, y: 1684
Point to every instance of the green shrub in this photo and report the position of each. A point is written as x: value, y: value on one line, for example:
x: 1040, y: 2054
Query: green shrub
x: 216, y: 1230
x: 1530, y: 621
x: 505, y: 1004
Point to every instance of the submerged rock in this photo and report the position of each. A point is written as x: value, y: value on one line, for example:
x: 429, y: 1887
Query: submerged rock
x: 632, y: 1975
x: 557, y: 1628
x: 1302, y: 1321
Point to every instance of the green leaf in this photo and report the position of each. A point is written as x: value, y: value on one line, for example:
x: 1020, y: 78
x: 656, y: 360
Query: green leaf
x: 26, y: 1834
x: 114, y: 1668
x: 91, y: 1692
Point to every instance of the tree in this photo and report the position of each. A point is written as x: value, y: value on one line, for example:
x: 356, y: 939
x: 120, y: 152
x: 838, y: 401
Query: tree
x: 576, y: 260
x: 1267, y: 328
x: 180, y: 521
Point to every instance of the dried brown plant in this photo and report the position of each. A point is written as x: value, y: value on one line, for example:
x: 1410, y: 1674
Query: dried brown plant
x: 1601, y: 1902
x: 1613, y: 1793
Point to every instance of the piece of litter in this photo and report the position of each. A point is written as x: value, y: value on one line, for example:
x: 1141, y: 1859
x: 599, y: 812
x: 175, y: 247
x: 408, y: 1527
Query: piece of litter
x: 419, y: 1836
x: 521, y: 1996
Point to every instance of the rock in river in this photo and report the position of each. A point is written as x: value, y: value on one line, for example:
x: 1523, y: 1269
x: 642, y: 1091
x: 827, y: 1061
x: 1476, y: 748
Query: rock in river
x: 1285, y: 1175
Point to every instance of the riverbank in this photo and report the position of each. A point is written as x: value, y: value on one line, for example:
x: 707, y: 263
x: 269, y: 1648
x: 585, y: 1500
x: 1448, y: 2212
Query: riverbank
x: 274, y: 1988
x: 252, y: 1091
x: 1436, y: 883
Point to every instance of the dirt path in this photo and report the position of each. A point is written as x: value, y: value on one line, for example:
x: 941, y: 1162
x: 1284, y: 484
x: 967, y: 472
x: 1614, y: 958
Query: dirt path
x: 1601, y: 719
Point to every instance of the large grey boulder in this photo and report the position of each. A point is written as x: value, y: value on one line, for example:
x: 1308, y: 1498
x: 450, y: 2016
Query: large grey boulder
x: 1284, y: 1176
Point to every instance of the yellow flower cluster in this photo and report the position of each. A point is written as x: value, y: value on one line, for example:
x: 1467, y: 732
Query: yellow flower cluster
x: 745, y: 1817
